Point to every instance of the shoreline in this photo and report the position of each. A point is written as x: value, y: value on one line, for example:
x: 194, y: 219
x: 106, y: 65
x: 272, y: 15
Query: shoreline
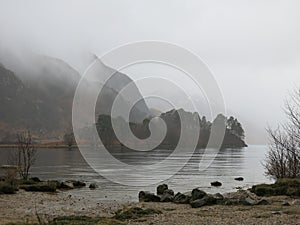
x: 24, y: 206
x: 50, y: 146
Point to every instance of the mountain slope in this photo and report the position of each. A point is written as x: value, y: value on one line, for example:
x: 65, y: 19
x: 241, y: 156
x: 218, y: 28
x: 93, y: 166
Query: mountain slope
x: 39, y: 96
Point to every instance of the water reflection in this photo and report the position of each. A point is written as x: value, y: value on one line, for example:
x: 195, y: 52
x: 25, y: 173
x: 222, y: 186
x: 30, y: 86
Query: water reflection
x: 64, y: 164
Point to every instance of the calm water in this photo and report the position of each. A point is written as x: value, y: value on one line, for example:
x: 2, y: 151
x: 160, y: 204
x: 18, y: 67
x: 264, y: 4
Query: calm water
x: 64, y: 164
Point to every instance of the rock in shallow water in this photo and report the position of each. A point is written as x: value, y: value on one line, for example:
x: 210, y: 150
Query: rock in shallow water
x: 216, y: 184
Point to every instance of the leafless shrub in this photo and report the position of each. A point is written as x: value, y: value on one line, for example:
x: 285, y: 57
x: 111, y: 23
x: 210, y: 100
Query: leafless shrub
x: 283, y: 158
x: 25, y: 155
x: 10, y: 173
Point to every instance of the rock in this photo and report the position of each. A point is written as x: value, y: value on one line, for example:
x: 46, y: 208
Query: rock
x: 78, y: 184
x: 67, y: 185
x: 169, y: 191
x: 219, y: 197
x: 285, y: 204
x: 40, y: 187
x: 182, y: 198
x: 161, y: 188
x: 93, y: 186
x: 197, y: 194
x: 247, y: 201
x: 197, y: 203
x: 241, y: 197
x: 216, y: 184
x: 296, y: 202
x: 145, y: 196
x: 189, y: 194
x: 283, y: 186
x: 263, y: 202
x: 35, y: 179
x: 239, y: 178
x: 166, y: 197
x: 206, y: 200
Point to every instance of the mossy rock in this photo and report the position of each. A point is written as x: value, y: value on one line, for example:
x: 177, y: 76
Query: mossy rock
x: 6, y: 188
x: 197, y: 194
x: 40, y: 187
x: 285, y: 186
x: 290, y: 182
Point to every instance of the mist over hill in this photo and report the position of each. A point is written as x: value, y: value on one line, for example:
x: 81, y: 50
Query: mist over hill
x: 37, y: 94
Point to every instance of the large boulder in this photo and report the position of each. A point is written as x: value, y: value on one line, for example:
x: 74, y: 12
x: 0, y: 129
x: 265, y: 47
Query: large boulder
x: 241, y: 197
x: 161, y: 188
x: 206, y: 200
x: 248, y: 201
x: 167, y: 196
x: 67, y: 185
x: 169, y: 191
x: 145, y: 196
x: 182, y: 198
x: 197, y: 194
x: 219, y: 197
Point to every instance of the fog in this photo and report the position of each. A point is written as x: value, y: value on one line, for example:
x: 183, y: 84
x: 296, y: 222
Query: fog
x: 252, y: 47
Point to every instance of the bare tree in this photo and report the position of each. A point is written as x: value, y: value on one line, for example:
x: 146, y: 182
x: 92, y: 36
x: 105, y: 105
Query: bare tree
x: 25, y: 155
x: 283, y: 158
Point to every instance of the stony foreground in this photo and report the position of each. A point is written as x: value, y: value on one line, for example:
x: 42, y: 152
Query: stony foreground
x: 24, y: 206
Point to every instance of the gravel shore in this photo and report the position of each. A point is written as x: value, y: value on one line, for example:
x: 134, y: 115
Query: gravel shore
x: 24, y: 206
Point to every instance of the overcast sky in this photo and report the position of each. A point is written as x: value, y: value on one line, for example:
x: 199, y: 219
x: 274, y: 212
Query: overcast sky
x: 252, y: 46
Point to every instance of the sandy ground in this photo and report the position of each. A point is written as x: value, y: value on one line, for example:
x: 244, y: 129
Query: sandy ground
x: 23, y: 206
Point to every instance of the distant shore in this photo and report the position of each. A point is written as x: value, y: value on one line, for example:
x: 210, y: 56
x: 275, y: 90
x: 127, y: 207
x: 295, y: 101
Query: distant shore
x: 46, y: 145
